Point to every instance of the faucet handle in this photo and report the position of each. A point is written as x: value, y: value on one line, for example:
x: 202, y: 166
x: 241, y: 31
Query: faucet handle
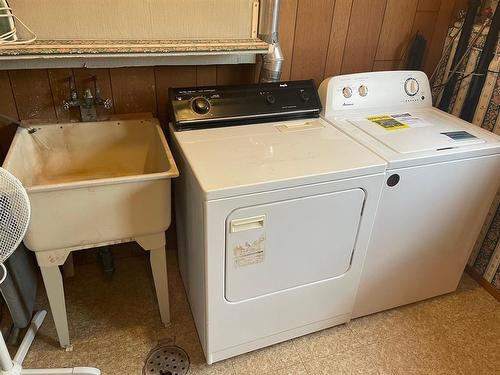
x: 66, y: 105
x: 108, y: 103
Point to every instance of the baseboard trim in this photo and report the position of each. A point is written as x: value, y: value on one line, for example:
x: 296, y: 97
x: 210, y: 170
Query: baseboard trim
x: 481, y: 281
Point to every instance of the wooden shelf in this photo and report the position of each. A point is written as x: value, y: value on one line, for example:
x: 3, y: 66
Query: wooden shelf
x: 109, y: 53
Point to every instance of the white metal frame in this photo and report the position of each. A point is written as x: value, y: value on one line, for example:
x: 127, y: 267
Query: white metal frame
x: 11, y: 366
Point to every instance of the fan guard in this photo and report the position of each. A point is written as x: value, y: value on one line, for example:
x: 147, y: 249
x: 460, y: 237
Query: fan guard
x: 14, y: 213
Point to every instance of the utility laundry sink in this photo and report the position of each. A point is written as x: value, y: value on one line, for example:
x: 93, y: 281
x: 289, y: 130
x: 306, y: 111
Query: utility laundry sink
x: 94, y: 184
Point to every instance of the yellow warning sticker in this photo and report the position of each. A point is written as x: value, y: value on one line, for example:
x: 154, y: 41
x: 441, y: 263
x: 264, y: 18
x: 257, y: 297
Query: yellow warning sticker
x: 387, y: 122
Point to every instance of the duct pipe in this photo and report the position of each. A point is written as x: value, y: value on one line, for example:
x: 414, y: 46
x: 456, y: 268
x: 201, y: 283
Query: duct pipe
x: 272, y: 62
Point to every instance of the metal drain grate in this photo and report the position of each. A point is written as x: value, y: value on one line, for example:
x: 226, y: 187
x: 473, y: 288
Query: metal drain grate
x: 166, y: 360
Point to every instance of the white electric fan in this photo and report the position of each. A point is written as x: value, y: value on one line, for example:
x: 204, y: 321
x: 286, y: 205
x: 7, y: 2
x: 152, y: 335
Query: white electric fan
x: 14, y: 220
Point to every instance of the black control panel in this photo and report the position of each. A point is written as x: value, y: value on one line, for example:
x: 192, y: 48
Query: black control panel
x: 216, y: 106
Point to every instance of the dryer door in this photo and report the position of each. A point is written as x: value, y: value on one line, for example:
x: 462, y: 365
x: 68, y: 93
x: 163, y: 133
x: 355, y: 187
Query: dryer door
x: 285, y: 244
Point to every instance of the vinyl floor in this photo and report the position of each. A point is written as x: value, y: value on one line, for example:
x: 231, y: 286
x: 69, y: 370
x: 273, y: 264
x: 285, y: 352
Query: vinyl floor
x: 114, y: 324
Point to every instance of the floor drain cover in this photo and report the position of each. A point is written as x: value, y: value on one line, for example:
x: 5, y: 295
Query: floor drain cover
x: 166, y: 360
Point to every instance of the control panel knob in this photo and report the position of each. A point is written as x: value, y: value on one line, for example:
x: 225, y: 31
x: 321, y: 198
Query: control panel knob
x: 363, y: 90
x: 411, y: 86
x: 270, y: 99
x: 200, y: 105
x: 305, y: 96
x: 347, y: 92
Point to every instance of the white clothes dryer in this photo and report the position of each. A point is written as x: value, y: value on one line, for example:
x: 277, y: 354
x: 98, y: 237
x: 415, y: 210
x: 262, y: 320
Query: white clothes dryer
x: 273, y: 218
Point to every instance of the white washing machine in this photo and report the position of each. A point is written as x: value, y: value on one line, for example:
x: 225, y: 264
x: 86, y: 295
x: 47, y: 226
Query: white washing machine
x: 273, y: 219
x: 442, y: 175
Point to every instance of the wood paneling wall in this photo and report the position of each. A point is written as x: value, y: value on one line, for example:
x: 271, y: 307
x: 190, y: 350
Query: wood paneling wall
x: 38, y: 94
x: 329, y: 37
x: 319, y: 38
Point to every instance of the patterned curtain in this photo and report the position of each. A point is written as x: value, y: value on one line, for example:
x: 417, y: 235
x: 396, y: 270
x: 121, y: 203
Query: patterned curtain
x: 485, y: 257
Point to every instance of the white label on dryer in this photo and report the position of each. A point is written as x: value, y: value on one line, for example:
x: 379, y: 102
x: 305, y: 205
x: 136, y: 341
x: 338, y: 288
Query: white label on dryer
x: 249, y: 252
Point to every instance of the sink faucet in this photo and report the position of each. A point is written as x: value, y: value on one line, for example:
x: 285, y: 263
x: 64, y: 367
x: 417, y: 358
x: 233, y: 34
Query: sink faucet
x: 88, y: 103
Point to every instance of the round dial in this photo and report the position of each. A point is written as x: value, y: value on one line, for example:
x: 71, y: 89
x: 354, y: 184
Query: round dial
x: 363, y: 90
x: 304, y: 96
x: 270, y: 99
x: 347, y: 92
x: 411, y: 86
x: 200, y: 105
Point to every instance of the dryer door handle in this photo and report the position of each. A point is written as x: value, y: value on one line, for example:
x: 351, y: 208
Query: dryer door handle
x: 247, y: 223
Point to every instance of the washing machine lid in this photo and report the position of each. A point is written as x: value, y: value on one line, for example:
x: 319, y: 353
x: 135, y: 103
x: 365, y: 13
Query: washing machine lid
x: 247, y: 159
x: 419, y: 136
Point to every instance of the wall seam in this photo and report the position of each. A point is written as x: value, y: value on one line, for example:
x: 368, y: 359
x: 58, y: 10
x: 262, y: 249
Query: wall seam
x: 294, y: 36
x: 52, y: 95
x: 329, y: 38
x: 380, y: 33
x: 13, y: 95
x: 346, y: 37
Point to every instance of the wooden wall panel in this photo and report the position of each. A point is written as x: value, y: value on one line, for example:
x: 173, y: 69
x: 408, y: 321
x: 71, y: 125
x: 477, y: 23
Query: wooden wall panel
x: 379, y: 65
x: 8, y: 108
x: 134, y: 90
x: 435, y: 47
x: 428, y: 5
x: 7, y: 103
x: 60, y: 85
x: 171, y: 76
x: 288, y: 17
x: 312, y: 33
x: 424, y: 23
x: 363, y: 35
x: 235, y: 74
x: 338, y: 36
x: 206, y: 75
x: 396, y: 29
x: 33, y: 95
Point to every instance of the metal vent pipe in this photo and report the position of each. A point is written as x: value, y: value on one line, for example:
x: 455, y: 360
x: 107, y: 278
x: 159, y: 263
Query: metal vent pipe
x: 272, y: 62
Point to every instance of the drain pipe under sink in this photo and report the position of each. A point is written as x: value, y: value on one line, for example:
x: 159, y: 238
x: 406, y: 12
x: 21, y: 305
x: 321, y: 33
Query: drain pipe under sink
x: 272, y: 62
